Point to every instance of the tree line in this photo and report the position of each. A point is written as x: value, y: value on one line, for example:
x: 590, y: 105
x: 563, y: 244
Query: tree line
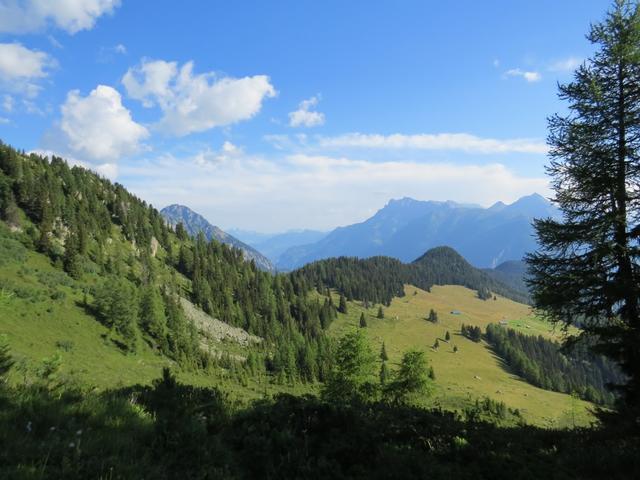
x: 542, y: 363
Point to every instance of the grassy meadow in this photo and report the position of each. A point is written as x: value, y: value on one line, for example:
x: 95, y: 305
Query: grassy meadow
x: 473, y: 371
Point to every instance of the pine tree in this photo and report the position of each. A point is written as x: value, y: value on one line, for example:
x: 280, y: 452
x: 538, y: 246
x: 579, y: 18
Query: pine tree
x: 587, y: 267
x: 384, y: 373
x: 6, y: 362
x: 436, y: 344
x: 433, y: 316
x: 447, y: 336
x: 455, y: 349
x: 411, y: 378
x: 342, y: 305
x: 363, y: 321
x: 383, y: 353
x: 152, y: 314
x: 380, y: 312
x: 71, y: 259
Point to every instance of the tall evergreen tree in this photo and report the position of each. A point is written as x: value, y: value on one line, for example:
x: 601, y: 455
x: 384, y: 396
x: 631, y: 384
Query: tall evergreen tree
x: 383, y: 353
x: 342, y: 306
x: 380, y: 312
x: 363, y: 321
x: 587, y: 270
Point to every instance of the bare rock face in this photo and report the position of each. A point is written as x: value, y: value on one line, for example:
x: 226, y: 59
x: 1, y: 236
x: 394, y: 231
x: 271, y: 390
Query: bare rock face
x: 154, y: 246
x: 215, y: 329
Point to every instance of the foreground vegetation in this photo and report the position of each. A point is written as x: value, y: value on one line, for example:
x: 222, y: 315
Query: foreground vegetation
x: 172, y: 430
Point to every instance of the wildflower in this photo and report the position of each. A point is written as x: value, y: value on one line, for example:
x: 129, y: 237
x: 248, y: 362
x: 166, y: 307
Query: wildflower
x: 29, y: 426
x: 52, y: 429
x: 71, y: 445
x: 79, y: 432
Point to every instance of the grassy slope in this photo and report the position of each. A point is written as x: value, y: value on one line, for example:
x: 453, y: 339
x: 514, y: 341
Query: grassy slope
x: 474, y: 371
x: 35, y: 326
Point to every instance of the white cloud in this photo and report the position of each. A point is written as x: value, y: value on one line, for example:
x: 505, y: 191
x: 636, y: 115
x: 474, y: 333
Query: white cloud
x: 21, y: 68
x: 195, y: 102
x: 305, y: 116
x: 7, y: 103
x: 440, y: 141
x: 97, y: 128
x: 530, y: 77
x: 26, y: 16
x: 566, y: 65
x: 213, y: 158
x: 314, y: 191
x: 109, y: 54
x: 4, y: 120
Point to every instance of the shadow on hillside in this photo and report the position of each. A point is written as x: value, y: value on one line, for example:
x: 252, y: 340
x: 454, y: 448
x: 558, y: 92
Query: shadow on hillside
x: 170, y: 430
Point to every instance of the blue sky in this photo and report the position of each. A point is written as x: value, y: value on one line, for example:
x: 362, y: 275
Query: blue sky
x: 293, y: 114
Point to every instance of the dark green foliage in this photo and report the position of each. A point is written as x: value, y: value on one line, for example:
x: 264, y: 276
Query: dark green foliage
x: 380, y: 313
x: 447, y: 336
x: 353, y: 374
x: 384, y: 374
x: 433, y: 316
x: 586, y: 272
x: 436, y: 344
x: 6, y: 361
x: 117, y: 306
x: 383, y: 353
x: 171, y: 430
x: 342, y: 305
x: 363, y: 321
x: 484, y: 293
x: 541, y: 362
x: 455, y: 349
x: 153, y: 319
x: 471, y: 332
x: 410, y: 380
x: 379, y: 279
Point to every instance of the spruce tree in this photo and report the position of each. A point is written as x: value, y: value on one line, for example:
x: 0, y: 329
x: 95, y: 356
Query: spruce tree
x: 6, y: 361
x: 384, y: 373
x: 587, y: 269
x: 447, y: 336
x: 380, y: 312
x: 383, y: 353
x: 363, y: 321
x: 342, y: 306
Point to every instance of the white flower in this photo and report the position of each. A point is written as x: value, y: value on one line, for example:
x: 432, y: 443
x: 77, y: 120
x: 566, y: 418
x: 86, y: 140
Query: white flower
x: 71, y: 445
x: 79, y: 432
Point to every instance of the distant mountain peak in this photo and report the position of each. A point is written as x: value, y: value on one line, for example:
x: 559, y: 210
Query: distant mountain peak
x: 195, y: 223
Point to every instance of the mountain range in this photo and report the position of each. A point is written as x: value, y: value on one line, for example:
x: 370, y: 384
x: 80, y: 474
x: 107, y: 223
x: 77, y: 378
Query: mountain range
x: 195, y: 223
x: 406, y: 228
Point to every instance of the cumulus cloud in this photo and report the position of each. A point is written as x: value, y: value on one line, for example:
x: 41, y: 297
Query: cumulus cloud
x: 195, y: 102
x: 463, y: 142
x: 529, y: 76
x: 315, y: 191
x: 305, y: 116
x: 22, y: 68
x: 97, y: 128
x: 26, y: 16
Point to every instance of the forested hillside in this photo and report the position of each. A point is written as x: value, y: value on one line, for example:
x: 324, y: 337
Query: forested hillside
x: 379, y: 279
x: 133, y: 267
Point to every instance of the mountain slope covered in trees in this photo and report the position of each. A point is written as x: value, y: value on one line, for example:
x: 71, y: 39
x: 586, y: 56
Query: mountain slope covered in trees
x: 379, y: 279
x: 129, y: 268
